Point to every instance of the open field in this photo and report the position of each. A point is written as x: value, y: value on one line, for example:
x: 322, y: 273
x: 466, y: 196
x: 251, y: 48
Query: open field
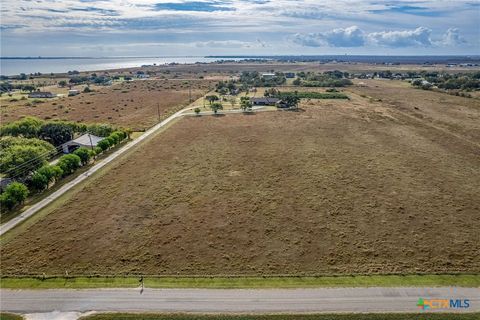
x: 129, y: 104
x: 371, y: 316
x: 342, y: 187
x: 457, y: 115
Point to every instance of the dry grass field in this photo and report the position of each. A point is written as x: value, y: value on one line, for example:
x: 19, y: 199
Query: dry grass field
x: 129, y: 104
x: 341, y: 187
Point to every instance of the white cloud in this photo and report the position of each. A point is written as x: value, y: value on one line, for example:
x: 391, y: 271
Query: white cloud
x: 453, y: 38
x: 349, y: 37
x: 405, y: 38
x: 355, y: 37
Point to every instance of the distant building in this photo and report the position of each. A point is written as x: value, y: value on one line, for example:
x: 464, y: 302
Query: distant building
x: 265, y: 101
x: 73, y: 92
x: 87, y: 140
x: 40, y: 94
x: 268, y: 76
x: 289, y: 75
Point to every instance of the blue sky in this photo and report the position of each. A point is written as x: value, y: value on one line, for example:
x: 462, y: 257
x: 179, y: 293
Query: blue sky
x: 229, y: 27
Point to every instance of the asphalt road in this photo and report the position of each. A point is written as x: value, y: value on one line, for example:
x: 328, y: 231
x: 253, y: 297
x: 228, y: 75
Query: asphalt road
x: 323, y: 300
x: 43, y: 203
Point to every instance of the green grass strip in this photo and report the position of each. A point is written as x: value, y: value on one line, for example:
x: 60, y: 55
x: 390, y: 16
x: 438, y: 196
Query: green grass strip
x: 11, y: 316
x: 371, y: 316
x: 461, y: 280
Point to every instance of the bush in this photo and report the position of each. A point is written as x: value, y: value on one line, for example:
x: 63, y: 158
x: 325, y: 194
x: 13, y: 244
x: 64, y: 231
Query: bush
x: 27, y: 127
x: 14, y: 194
x: 196, y: 110
x: 56, y: 132
x: 69, y: 163
x: 119, y: 135
x: 84, y: 154
x: 111, y: 141
x: 103, y: 144
x: 97, y: 150
x: 101, y: 130
x: 20, y: 156
x: 45, y: 175
x: 39, y: 181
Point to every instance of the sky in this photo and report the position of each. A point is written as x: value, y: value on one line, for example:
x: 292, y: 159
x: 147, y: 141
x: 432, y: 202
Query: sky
x: 239, y: 27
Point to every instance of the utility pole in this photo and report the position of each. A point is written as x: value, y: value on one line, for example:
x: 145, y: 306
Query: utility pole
x: 190, y: 92
x: 91, y: 143
x: 158, y: 111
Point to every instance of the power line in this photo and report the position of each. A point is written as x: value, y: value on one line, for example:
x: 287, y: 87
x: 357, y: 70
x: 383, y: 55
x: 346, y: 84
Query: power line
x: 41, y: 155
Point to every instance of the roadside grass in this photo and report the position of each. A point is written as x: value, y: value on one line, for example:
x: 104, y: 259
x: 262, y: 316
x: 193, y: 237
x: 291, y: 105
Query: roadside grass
x: 366, y: 316
x: 10, y: 316
x: 460, y: 280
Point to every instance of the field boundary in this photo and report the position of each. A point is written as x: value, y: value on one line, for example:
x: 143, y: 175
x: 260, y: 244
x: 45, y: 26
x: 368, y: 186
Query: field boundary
x: 239, y: 281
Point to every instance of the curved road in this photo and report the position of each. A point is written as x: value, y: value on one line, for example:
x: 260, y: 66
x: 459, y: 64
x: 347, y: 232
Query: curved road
x: 43, y: 203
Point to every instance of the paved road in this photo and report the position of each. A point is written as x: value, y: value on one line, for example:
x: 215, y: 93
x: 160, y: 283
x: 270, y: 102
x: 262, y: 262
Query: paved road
x: 43, y: 203
x: 231, y: 300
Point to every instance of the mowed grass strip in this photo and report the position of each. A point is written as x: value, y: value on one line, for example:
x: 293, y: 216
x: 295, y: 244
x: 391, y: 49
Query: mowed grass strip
x: 369, y: 316
x: 11, y: 316
x: 244, y: 282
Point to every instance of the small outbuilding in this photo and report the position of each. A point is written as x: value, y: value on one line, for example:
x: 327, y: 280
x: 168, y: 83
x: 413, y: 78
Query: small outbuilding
x: 87, y: 140
x: 73, y: 92
x: 40, y: 94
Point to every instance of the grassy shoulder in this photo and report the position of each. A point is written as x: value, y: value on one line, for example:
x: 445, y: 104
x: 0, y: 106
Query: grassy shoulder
x: 371, y: 316
x: 463, y: 280
x: 10, y: 316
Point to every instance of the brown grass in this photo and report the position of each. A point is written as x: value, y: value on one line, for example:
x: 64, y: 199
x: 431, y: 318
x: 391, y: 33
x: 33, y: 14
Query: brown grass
x: 129, y: 104
x: 342, y: 187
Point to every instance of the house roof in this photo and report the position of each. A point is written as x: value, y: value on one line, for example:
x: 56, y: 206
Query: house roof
x: 84, y: 140
x: 264, y: 100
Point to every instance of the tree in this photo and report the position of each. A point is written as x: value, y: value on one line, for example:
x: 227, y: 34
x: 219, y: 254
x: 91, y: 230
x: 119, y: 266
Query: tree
x: 27, y: 127
x: 216, y: 106
x: 56, y: 133
x: 39, y: 181
x: 15, y: 193
x: 297, y: 82
x: 245, y: 104
x: 69, y: 163
x: 20, y: 156
x: 104, y: 144
x: 84, y: 154
x: 291, y: 100
x: 62, y: 83
x: 211, y: 99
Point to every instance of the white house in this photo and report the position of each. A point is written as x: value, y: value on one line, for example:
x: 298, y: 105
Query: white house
x: 87, y: 140
x: 73, y: 92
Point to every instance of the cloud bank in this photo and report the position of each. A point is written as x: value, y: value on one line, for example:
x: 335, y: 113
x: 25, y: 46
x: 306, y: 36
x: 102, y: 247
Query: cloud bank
x: 355, y: 37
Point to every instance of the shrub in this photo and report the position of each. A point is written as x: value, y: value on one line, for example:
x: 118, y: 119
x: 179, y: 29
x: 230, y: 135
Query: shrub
x: 101, y: 130
x: 104, y: 144
x: 27, y: 127
x: 20, y: 156
x: 121, y: 135
x: 39, y: 181
x: 69, y: 163
x: 97, y: 150
x: 14, y: 194
x: 84, y: 154
x: 111, y: 141
x: 197, y: 110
